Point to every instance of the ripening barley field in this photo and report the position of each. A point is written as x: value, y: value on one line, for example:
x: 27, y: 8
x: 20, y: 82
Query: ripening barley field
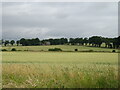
x: 59, y: 70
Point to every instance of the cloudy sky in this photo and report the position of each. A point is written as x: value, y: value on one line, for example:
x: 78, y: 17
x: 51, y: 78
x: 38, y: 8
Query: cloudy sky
x: 54, y: 20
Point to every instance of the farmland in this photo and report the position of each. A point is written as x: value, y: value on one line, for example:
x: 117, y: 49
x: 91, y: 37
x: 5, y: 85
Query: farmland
x: 38, y: 68
x: 63, y: 47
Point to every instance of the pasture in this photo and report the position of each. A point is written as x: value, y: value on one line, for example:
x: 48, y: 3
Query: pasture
x: 66, y: 48
x: 59, y: 69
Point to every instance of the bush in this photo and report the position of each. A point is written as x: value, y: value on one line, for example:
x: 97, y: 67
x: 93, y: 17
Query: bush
x: 90, y: 51
x: 113, y: 51
x: 55, y: 49
x: 13, y: 49
x: 3, y: 50
x: 25, y: 50
x: 19, y: 50
x: 76, y: 49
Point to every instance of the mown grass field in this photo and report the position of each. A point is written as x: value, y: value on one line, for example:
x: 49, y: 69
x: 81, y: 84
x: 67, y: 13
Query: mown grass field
x: 59, y: 69
x: 63, y: 47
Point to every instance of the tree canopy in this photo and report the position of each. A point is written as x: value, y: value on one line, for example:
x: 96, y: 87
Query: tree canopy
x: 95, y: 41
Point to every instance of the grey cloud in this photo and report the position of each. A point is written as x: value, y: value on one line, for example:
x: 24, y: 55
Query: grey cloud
x: 46, y: 20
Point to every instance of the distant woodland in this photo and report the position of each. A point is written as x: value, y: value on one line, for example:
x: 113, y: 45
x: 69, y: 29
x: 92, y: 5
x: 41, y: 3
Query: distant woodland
x: 95, y: 41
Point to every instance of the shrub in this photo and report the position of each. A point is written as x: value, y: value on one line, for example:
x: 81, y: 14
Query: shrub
x: 55, y: 49
x: 19, y: 50
x: 76, y: 49
x: 90, y: 51
x: 113, y: 51
x: 13, y: 49
x: 4, y: 50
x: 25, y: 50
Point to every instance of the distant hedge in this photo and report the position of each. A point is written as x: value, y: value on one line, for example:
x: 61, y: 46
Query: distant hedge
x: 55, y: 49
x: 4, y: 50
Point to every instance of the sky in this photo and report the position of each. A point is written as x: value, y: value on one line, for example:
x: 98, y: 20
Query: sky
x: 60, y: 19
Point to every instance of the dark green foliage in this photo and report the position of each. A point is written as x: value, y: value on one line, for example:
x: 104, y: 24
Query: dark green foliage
x: 116, y: 42
x: 55, y: 49
x: 13, y: 49
x: 6, y: 42
x: 30, y: 42
x: 60, y: 41
x: 12, y: 42
x: 4, y: 50
x: 17, y: 42
x: 90, y: 51
x: 85, y: 40
x: 74, y: 41
x: 95, y: 41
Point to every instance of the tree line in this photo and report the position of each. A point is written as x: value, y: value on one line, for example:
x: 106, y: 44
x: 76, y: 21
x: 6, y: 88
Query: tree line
x: 95, y: 41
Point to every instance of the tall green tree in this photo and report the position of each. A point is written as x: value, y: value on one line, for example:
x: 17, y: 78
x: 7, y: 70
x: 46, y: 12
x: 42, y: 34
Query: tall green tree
x: 17, y: 42
x: 6, y: 42
x: 12, y: 42
x: 85, y: 41
x: 95, y: 41
x: 23, y: 42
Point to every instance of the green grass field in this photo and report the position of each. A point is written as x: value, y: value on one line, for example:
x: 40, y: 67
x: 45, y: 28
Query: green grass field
x: 63, y: 47
x: 59, y: 69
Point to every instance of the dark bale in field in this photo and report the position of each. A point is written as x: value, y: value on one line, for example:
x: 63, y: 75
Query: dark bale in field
x: 113, y: 51
x: 76, y: 49
x: 13, y: 49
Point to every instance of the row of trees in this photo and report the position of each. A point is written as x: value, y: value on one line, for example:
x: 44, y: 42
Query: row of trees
x: 60, y: 41
x: 95, y: 41
x: 12, y: 42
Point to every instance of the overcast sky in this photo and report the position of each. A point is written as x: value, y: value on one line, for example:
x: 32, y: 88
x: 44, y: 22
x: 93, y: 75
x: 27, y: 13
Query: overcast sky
x: 55, y: 20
